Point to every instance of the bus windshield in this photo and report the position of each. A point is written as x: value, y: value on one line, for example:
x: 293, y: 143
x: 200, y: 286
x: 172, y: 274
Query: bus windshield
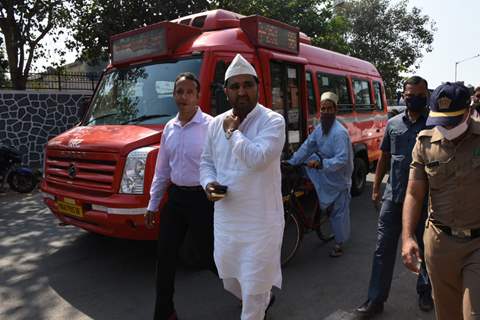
x: 138, y: 94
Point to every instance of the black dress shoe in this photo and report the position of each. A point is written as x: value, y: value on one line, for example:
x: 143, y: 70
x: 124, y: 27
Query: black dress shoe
x: 425, y: 302
x: 369, y: 309
x: 173, y: 316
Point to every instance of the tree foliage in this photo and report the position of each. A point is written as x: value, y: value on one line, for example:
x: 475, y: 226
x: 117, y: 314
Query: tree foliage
x: 3, y: 65
x: 383, y: 32
x: 96, y: 20
x: 388, y: 35
x: 24, y: 24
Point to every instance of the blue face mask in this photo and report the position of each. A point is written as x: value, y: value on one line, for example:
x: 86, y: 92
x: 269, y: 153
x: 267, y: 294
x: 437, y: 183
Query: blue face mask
x: 416, y: 103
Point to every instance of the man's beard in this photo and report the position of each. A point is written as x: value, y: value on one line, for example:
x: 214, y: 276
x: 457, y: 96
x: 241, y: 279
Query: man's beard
x: 242, y: 108
x: 327, y: 120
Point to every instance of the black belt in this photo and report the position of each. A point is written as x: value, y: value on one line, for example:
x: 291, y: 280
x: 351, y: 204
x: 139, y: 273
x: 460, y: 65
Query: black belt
x: 458, y: 233
x: 187, y: 188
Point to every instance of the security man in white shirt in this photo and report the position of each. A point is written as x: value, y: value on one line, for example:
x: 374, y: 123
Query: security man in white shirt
x: 187, y: 208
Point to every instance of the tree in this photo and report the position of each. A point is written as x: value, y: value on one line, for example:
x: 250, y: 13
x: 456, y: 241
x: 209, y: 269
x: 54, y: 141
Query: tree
x: 96, y: 20
x: 389, y: 36
x: 24, y: 24
x: 3, y: 65
x: 313, y: 17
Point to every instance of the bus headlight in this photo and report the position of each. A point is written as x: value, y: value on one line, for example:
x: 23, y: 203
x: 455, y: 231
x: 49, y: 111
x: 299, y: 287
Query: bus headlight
x: 134, y: 171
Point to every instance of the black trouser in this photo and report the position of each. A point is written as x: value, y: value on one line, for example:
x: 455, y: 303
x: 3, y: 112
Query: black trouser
x: 185, y: 210
x: 388, y: 234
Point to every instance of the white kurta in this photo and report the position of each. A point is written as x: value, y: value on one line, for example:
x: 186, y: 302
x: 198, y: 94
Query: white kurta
x: 248, y: 222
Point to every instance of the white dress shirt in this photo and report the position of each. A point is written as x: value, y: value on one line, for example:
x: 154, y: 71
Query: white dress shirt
x: 178, y: 158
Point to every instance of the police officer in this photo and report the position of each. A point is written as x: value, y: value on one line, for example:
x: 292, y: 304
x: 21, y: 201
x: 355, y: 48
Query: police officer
x: 446, y: 162
x: 396, y: 150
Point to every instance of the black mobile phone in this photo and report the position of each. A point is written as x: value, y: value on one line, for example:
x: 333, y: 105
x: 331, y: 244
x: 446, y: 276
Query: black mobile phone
x: 220, y: 189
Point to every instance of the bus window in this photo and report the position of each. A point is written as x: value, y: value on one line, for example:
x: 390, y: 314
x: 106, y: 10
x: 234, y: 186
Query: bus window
x: 377, y: 87
x: 337, y: 85
x: 312, y: 102
x: 277, y: 92
x: 361, y: 90
x: 219, y: 102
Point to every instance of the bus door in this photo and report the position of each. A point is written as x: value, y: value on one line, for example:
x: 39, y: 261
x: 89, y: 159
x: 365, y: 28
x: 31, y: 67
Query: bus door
x: 286, y: 93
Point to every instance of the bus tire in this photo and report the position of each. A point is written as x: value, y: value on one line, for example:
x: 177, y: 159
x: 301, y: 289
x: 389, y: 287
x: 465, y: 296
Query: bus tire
x: 359, y: 176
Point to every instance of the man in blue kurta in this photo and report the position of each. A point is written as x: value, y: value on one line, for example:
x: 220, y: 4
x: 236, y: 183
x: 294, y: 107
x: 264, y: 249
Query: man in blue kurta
x: 329, y: 153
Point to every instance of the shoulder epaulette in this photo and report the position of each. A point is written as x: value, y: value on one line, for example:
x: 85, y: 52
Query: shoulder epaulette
x: 425, y: 133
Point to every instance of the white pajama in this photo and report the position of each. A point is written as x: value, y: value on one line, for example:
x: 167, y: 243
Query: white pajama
x: 253, y: 306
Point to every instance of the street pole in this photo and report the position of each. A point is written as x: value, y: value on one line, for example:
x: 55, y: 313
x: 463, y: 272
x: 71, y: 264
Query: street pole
x: 466, y: 59
x: 456, y: 64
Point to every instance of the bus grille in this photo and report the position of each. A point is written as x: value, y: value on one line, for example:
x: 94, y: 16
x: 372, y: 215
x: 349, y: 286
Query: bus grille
x: 92, y: 171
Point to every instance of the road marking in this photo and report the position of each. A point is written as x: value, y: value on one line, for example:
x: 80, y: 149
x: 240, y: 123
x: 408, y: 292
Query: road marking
x: 340, y: 315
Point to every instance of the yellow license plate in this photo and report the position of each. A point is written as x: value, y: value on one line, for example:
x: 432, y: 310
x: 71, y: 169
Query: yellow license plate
x: 70, y: 209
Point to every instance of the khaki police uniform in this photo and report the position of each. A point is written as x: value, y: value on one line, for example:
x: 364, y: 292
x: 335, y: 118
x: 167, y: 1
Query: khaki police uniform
x: 452, y: 235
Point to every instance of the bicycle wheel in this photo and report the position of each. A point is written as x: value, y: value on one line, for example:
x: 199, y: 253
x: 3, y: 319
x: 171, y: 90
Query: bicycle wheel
x: 292, y: 237
x: 324, y: 228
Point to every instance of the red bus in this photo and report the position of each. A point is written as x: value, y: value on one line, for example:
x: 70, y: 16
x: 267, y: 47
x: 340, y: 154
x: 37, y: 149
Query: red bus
x: 98, y: 174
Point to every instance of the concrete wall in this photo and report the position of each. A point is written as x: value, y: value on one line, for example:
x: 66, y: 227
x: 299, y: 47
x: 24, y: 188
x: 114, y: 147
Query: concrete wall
x: 28, y: 119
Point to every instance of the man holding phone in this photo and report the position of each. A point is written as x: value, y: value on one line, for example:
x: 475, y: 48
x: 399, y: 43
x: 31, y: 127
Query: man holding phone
x: 187, y: 208
x: 240, y: 171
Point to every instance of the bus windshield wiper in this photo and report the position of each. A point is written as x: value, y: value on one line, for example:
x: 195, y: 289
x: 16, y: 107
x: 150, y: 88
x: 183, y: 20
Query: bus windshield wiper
x: 102, y: 116
x: 146, y: 117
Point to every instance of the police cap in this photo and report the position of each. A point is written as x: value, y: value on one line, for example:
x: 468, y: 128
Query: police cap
x: 448, y: 103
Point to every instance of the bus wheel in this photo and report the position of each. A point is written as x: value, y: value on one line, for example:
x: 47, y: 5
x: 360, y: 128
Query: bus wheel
x: 359, y: 176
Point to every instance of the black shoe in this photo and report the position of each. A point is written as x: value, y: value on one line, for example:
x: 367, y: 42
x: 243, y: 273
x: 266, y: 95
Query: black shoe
x: 270, y: 303
x: 369, y: 309
x: 173, y: 316
x: 425, y: 302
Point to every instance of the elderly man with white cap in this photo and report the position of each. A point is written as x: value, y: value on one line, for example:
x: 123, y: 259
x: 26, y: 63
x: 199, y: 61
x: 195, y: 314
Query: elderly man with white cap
x: 241, y: 160
x: 328, y: 152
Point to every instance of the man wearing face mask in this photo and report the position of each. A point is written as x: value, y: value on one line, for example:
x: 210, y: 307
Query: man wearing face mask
x: 328, y: 150
x: 446, y: 166
x: 396, y: 150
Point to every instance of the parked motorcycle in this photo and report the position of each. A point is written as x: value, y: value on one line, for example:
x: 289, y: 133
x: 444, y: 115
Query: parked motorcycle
x: 13, y: 174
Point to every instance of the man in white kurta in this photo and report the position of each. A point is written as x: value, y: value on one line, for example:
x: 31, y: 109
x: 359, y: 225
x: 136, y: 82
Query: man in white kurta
x: 242, y: 152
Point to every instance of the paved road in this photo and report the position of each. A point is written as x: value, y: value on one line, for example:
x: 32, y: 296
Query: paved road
x: 53, y: 272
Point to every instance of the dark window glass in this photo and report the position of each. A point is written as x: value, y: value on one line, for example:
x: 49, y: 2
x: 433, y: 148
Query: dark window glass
x: 312, y: 102
x: 199, y: 21
x: 361, y: 90
x: 377, y: 87
x: 276, y: 74
x: 338, y: 85
x: 139, y: 91
x: 219, y: 102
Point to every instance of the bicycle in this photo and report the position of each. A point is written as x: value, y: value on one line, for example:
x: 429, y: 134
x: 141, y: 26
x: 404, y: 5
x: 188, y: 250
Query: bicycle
x: 302, y: 211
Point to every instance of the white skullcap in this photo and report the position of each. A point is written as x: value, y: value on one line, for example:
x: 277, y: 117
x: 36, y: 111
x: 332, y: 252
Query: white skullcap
x: 239, y: 66
x: 329, y: 96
